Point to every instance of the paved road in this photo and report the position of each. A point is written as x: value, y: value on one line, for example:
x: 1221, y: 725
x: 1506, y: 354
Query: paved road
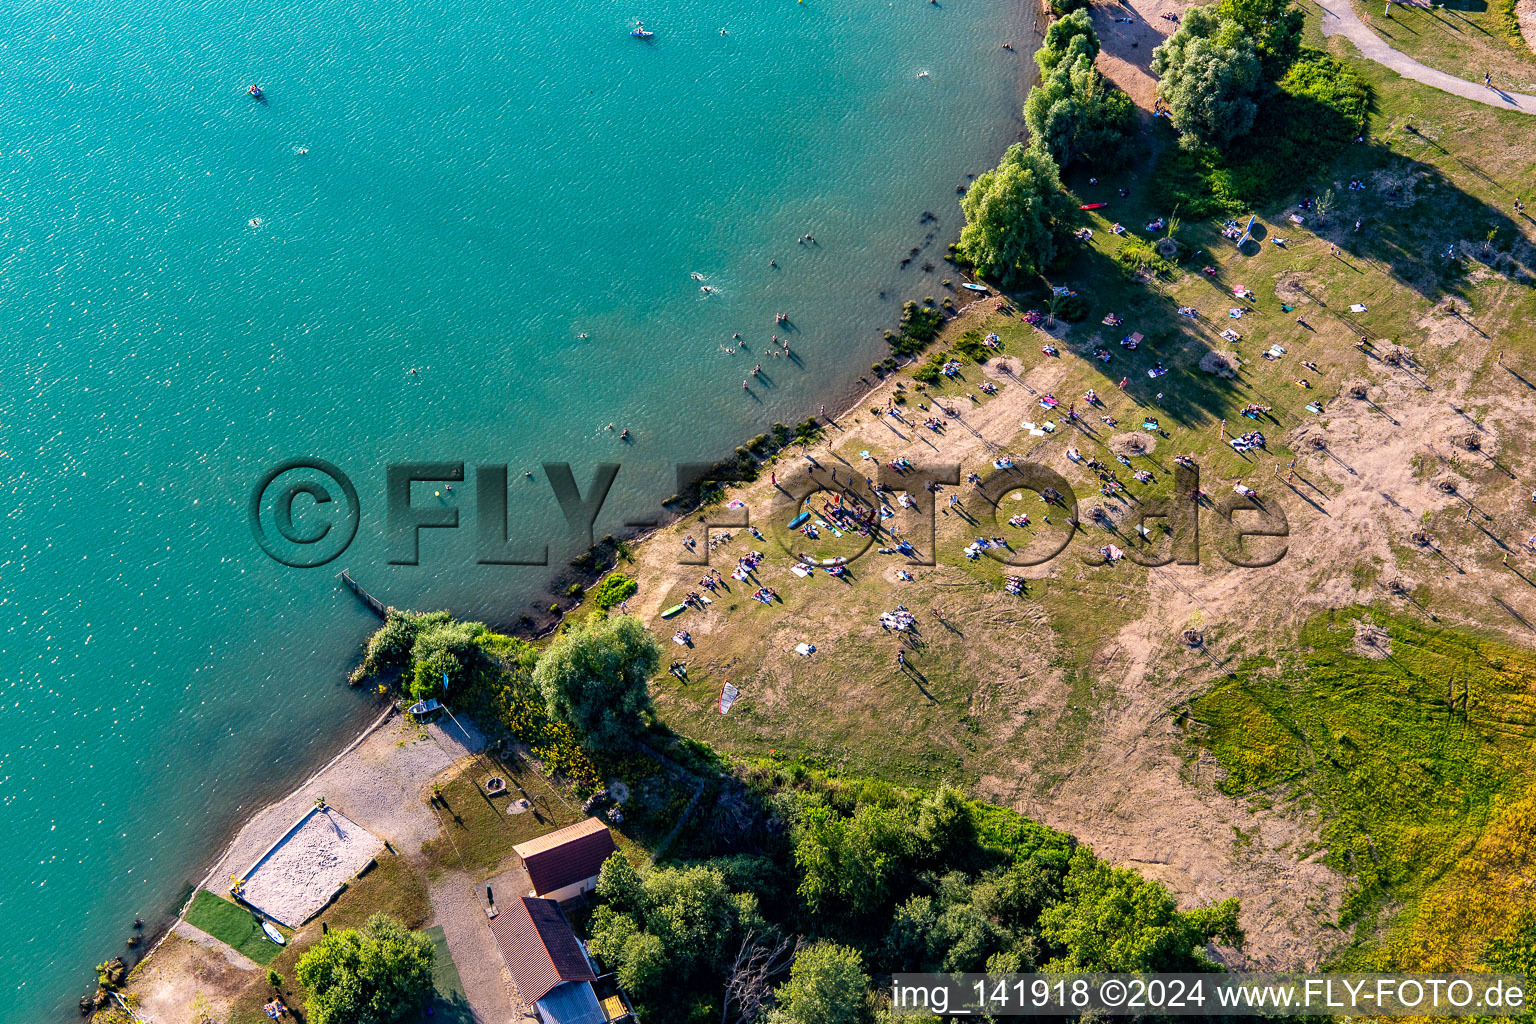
x: 1340, y: 19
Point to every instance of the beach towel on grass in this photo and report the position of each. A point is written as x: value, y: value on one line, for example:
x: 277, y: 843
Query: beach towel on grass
x: 728, y: 695
x: 800, y: 570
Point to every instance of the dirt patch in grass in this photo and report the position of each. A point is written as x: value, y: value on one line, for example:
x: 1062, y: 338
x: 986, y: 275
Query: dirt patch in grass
x: 1371, y: 641
x: 1133, y: 443
x: 1222, y: 364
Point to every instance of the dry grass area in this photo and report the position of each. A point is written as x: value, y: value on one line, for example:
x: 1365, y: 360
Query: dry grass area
x: 1061, y: 701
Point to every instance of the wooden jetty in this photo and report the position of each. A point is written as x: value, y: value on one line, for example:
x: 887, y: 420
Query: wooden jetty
x: 372, y: 603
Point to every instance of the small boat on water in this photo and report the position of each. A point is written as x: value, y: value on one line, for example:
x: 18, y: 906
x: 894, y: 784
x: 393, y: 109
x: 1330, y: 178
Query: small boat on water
x: 273, y: 934
x: 255, y: 91
x: 640, y: 31
x: 975, y: 287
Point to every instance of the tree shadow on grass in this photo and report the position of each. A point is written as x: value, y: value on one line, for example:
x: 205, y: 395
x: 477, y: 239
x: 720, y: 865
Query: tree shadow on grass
x: 1177, y: 342
x: 1411, y: 212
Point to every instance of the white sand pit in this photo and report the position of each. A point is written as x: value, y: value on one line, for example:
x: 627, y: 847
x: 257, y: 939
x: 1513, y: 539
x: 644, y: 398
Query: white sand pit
x: 302, y: 871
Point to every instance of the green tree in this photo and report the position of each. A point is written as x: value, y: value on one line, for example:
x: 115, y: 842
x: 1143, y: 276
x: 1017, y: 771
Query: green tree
x: 1013, y: 217
x: 619, y: 885
x: 692, y: 912
x: 594, y: 679
x: 847, y: 864
x: 1067, y: 39
x: 1112, y: 919
x: 643, y: 964
x: 380, y: 973
x: 945, y: 825
x: 907, y: 941
x: 1275, y: 26
x: 443, y: 651
x: 1210, y: 78
x: 827, y: 985
x: 1076, y: 114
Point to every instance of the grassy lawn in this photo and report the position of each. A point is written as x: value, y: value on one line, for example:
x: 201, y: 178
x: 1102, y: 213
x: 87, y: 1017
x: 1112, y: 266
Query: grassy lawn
x: 1461, y: 37
x: 478, y: 833
x: 234, y: 926
x: 1402, y: 748
x: 450, y: 1006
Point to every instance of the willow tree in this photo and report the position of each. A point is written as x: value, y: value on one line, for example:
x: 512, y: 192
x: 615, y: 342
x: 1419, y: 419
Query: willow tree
x: 1013, y: 217
x: 1210, y: 76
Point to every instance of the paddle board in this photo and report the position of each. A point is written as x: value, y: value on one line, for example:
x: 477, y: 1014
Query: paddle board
x: 273, y: 934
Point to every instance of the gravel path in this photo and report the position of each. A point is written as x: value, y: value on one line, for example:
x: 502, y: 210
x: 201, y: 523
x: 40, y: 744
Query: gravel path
x: 1340, y: 19
x: 458, y: 905
x: 378, y: 783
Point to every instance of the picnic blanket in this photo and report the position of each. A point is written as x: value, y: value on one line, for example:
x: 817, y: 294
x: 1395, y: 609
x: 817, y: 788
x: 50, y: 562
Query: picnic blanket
x: 800, y: 570
x: 1357, y: 308
x: 728, y: 695
x: 805, y: 649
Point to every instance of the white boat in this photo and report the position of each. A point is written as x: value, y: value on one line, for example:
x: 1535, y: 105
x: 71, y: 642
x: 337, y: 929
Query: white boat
x: 640, y: 31
x: 423, y: 707
x: 975, y: 287
x: 273, y: 934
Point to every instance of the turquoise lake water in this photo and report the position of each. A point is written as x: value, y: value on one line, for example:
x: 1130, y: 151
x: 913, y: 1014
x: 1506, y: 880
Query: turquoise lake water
x: 186, y: 300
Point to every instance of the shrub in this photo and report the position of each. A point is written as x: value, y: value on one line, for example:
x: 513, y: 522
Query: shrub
x: 919, y: 325
x: 1136, y: 254
x: 929, y: 372
x: 1061, y: 7
x: 616, y: 588
x: 1319, y: 107
x: 1072, y: 308
x: 972, y: 347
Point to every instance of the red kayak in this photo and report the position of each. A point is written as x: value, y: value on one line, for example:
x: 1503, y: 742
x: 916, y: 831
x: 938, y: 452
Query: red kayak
x: 1093, y: 206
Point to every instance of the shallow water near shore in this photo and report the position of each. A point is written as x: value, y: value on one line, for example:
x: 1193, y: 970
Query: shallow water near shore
x: 457, y: 232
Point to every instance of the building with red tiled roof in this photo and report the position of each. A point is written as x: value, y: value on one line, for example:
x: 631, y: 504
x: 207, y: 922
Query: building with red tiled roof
x: 565, y: 863
x: 548, y: 964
